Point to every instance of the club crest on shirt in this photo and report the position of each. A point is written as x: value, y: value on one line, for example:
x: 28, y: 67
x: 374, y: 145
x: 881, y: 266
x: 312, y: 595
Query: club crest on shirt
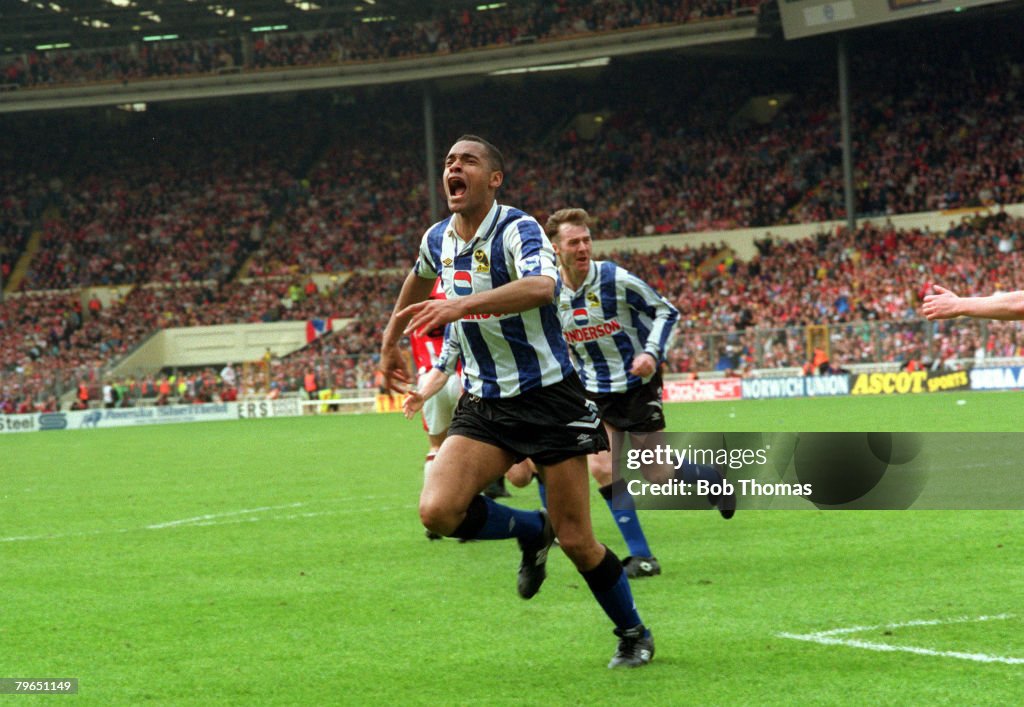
x: 462, y: 283
x: 580, y: 316
x: 593, y: 300
x: 482, y: 263
x: 447, y: 262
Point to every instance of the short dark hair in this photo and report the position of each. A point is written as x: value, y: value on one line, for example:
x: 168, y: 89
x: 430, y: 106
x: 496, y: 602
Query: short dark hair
x: 576, y: 217
x: 494, y: 155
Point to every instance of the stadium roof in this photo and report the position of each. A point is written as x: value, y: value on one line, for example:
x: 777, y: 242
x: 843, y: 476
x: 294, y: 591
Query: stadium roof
x: 27, y: 24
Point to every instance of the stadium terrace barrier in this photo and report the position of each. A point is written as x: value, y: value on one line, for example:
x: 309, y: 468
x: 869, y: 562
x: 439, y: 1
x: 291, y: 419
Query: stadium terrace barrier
x: 365, y: 73
x: 902, y: 383
x: 954, y: 380
x: 358, y: 401
x: 873, y: 383
x: 213, y: 345
x: 795, y: 387
x: 1008, y: 378
x: 742, y: 241
x: 701, y: 390
x: 355, y: 404
x: 152, y: 415
x: 255, y: 409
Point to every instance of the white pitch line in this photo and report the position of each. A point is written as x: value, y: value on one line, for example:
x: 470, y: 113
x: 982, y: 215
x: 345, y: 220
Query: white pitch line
x: 212, y: 519
x: 211, y: 516
x: 292, y: 516
x: 29, y: 538
x: 182, y: 522
x: 60, y: 536
x: 915, y: 622
x: 827, y: 638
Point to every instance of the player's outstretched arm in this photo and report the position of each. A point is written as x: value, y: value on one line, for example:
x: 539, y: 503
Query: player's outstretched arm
x: 392, y: 363
x: 519, y: 296
x: 430, y: 383
x: 945, y: 304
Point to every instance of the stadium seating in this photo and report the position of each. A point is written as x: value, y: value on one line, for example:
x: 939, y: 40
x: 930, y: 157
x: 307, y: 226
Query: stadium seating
x: 456, y: 30
x: 188, y: 206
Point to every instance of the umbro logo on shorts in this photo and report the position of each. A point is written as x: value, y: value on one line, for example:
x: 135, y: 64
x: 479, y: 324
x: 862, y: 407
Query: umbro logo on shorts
x: 590, y: 421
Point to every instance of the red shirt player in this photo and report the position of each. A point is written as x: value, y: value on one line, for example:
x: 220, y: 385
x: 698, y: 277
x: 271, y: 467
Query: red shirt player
x: 427, y: 347
x: 437, y: 410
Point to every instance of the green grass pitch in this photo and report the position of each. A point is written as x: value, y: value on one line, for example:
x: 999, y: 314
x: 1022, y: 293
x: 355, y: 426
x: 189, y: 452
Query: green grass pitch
x: 282, y: 562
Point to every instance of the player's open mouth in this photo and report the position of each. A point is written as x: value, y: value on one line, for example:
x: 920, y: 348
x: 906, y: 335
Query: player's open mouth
x: 456, y: 186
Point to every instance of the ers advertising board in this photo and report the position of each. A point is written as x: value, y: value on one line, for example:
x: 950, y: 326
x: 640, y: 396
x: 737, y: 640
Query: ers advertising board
x: 698, y: 390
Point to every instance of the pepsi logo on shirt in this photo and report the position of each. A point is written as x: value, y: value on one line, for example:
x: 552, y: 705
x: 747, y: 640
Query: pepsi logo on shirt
x: 462, y: 283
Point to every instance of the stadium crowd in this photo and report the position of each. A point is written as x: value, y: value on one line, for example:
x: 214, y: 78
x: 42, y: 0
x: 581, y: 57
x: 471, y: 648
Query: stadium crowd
x: 166, y: 202
x: 734, y: 314
x: 444, y: 32
x: 51, y: 341
x: 187, y: 206
x: 24, y: 198
x: 645, y: 174
x: 865, y: 285
x: 149, y: 205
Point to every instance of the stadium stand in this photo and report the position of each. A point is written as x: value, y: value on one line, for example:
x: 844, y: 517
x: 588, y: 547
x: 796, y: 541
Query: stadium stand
x: 866, y: 285
x: 442, y: 32
x: 220, y: 213
x: 660, y: 171
x: 680, y: 164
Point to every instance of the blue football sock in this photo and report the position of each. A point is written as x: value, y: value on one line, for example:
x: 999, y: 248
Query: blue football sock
x: 610, y: 587
x: 628, y: 522
x: 505, y: 522
x: 691, y: 473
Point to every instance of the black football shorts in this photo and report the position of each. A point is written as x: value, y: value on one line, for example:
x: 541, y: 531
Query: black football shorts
x: 638, y: 410
x: 548, y: 425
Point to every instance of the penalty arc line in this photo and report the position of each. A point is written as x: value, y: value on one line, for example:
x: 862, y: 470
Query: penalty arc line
x: 915, y: 622
x: 828, y: 638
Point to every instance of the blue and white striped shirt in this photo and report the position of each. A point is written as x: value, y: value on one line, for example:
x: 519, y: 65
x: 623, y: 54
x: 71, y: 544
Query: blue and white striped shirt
x: 503, y: 355
x: 612, y: 318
